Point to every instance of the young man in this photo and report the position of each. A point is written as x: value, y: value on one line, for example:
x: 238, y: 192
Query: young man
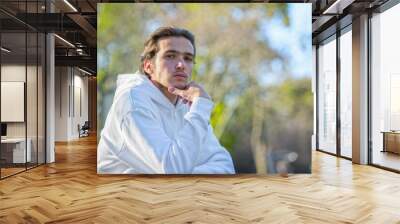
x: 159, y: 120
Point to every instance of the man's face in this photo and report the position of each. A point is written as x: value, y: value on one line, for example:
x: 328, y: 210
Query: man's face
x: 173, y: 63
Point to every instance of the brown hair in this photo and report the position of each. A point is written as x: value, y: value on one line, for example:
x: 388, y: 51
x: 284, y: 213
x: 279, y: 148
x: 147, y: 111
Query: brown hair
x: 151, y: 45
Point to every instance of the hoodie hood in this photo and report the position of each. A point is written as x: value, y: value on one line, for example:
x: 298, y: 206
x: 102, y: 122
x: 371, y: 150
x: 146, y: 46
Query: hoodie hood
x: 139, y: 82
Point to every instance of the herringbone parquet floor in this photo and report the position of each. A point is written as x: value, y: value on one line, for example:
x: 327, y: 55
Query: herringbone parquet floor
x: 70, y: 191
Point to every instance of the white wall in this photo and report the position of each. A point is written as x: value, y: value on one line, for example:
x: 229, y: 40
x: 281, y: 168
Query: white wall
x: 80, y: 97
x: 62, y: 81
x: 71, y: 93
x: 13, y: 73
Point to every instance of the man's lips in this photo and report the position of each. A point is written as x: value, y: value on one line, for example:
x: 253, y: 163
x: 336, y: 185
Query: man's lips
x: 181, y: 75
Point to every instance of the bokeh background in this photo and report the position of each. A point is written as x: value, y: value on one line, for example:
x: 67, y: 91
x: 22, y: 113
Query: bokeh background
x: 254, y: 59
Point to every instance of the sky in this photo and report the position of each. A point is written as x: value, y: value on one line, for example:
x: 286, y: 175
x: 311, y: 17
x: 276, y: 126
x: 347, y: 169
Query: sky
x: 288, y: 40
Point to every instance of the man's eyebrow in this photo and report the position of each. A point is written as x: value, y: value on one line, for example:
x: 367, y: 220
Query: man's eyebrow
x: 174, y: 51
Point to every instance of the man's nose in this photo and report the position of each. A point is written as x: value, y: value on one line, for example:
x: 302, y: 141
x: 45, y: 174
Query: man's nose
x: 180, y: 64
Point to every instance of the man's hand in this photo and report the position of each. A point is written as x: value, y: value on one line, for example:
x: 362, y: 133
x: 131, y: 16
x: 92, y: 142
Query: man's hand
x: 191, y: 92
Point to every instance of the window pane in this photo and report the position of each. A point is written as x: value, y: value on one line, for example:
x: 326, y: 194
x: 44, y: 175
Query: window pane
x: 346, y: 94
x: 13, y: 85
x: 327, y: 97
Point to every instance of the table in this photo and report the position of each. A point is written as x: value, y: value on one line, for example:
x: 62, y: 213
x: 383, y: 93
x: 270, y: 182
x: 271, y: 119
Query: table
x: 13, y: 150
x: 391, y: 141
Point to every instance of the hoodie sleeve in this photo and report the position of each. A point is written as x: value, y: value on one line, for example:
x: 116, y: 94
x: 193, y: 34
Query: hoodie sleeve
x: 146, y: 141
x: 219, y: 162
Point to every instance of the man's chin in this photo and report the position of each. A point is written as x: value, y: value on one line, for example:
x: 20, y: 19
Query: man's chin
x: 180, y: 85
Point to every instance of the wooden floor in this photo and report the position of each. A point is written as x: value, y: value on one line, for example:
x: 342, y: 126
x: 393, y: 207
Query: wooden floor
x: 70, y: 191
x: 10, y: 171
x: 387, y: 159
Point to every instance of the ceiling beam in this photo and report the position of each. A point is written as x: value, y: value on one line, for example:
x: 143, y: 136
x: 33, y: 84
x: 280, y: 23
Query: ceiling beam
x: 337, y: 6
x: 86, y: 26
x: 82, y: 61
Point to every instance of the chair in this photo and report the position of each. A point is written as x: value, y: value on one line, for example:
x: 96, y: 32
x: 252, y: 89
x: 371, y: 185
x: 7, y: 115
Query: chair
x: 84, y: 130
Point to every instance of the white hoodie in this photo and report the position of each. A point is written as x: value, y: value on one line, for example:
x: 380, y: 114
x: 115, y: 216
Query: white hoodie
x: 145, y: 133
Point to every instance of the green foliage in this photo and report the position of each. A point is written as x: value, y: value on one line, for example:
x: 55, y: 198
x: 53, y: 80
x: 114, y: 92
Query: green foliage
x: 217, y: 114
x: 228, y: 140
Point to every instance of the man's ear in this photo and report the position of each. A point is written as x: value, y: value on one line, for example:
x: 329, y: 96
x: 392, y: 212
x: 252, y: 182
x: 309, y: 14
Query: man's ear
x: 148, y: 66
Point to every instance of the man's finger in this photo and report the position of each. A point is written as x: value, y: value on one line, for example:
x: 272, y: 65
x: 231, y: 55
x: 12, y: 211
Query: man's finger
x: 176, y: 91
x: 171, y: 89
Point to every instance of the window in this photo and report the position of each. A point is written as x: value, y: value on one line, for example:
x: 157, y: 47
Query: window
x: 22, y: 80
x: 327, y: 97
x: 385, y: 89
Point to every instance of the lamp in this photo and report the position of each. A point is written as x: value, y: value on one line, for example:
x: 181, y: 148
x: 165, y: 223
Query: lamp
x: 5, y: 50
x: 84, y: 71
x: 70, y: 5
x: 64, y: 40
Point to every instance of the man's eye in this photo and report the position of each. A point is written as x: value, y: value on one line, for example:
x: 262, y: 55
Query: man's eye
x: 188, y: 59
x: 170, y: 56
